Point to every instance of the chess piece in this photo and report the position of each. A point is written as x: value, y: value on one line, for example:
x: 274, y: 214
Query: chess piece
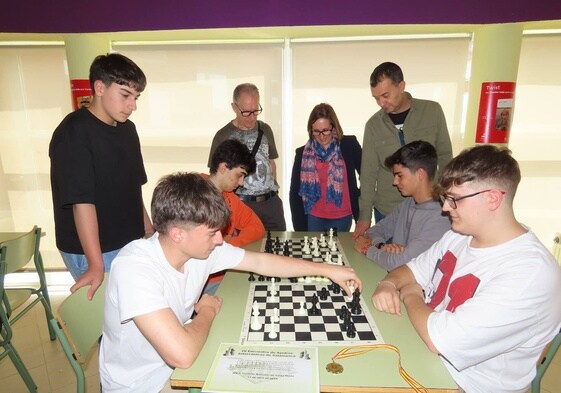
x: 356, y: 309
x: 347, y: 320
x: 343, y: 313
x: 255, y: 323
x: 286, y: 249
x: 323, y: 294
x: 273, y: 332
x: 314, y: 310
x: 251, y: 277
x: 352, y: 290
x: 328, y: 257
x: 275, y: 317
x: 306, y: 249
x: 316, y: 253
x: 302, y: 309
x: 351, y: 330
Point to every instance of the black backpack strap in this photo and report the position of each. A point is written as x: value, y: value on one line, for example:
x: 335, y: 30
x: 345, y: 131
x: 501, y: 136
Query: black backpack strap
x: 258, y: 141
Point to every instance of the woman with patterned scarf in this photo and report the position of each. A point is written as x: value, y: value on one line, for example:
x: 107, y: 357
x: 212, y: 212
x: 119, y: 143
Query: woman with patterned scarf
x: 323, y: 188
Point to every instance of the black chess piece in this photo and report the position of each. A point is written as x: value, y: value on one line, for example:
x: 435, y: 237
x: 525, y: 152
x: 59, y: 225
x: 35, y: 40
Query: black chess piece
x: 351, y: 330
x: 336, y: 288
x: 268, y: 235
x: 251, y: 277
x: 356, y: 309
x: 344, y: 311
x: 355, y: 303
x: 347, y: 320
x: 286, y: 249
x: 293, y: 280
x: 261, y: 278
x: 323, y: 294
x: 269, y: 246
x: 314, y: 310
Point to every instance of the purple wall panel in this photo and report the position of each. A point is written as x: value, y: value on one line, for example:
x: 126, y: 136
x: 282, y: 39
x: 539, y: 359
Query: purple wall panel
x: 66, y: 16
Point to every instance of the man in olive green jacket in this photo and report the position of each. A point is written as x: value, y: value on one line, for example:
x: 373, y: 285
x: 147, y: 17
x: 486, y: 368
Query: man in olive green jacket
x: 401, y: 119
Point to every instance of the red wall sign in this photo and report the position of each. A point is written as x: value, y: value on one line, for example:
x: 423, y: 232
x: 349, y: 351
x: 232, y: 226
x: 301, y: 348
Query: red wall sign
x: 81, y: 93
x: 494, y: 118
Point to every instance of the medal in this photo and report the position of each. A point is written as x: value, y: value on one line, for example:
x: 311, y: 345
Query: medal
x: 334, y: 368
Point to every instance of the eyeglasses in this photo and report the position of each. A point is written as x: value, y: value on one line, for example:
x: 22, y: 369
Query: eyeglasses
x: 256, y: 112
x: 453, y: 201
x: 326, y: 132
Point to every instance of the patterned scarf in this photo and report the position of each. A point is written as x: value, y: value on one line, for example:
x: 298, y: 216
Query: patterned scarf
x: 310, y: 190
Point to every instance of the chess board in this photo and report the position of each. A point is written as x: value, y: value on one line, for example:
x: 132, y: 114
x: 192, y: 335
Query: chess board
x: 296, y: 245
x: 295, y: 329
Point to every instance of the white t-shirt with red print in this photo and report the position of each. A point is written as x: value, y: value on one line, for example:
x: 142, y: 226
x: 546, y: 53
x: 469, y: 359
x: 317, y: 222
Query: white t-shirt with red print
x: 495, y: 308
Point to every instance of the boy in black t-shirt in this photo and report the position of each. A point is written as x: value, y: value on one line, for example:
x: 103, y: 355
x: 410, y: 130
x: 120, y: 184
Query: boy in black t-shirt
x: 97, y: 173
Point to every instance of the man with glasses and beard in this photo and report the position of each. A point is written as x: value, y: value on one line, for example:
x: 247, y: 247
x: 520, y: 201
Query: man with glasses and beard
x: 260, y: 189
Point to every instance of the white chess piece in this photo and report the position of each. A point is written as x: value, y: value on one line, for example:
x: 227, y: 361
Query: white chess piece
x: 273, y: 287
x: 255, y: 308
x: 316, y: 253
x: 275, y: 317
x: 273, y: 332
x: 339, y: 259
x: 302, y: 309
x: 255, y: 324
x: 328, y: 257
x: 334, y: 246
x: 351, y: 290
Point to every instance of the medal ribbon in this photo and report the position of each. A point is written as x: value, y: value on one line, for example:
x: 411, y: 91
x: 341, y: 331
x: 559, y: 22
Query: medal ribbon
x: 362, y: 349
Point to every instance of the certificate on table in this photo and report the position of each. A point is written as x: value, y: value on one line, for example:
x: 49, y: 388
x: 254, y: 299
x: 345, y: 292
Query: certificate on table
x: 241, y: 368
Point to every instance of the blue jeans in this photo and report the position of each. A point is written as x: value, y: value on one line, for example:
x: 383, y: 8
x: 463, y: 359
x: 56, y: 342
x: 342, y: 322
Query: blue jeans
x: 77, y: 264
x: 317, y: 224
x: 378, y: 216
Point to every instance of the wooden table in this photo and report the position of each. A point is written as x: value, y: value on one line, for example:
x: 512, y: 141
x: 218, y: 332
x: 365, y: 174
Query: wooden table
x: 376, y: 371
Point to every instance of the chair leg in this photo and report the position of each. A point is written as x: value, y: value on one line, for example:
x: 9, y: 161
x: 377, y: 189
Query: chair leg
x: 22, y: 370
x: 49, y: 315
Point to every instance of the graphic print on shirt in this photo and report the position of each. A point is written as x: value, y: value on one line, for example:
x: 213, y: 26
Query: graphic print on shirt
x: 443, y: 270
x: 460, y: 290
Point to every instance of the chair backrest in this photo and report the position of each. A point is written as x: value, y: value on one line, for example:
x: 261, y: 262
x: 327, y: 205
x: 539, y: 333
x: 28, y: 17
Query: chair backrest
x: 557, y: 247
x: 82, y: 320
x: 22, y: 249
x: 546, y: 358
x: 4, y: 321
